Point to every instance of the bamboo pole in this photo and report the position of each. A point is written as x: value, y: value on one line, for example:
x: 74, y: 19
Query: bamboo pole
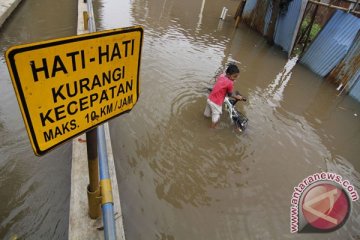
x: 357, y: 3
x: 334, y: 7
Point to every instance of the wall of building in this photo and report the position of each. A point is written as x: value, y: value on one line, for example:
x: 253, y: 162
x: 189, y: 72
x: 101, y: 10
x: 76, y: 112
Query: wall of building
x: 335, y: 52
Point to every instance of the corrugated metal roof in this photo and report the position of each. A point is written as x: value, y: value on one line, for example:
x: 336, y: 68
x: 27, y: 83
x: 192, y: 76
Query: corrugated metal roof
x: 352, y: 62
x: 248, y: 8
x: 349, y: 68
x: 287, y: 25
x: 355, y: 91
x: 257, y: 14
x: 267, y: 17
x: 353, y: 67
x: 332, y: 43
x: 254, y: 14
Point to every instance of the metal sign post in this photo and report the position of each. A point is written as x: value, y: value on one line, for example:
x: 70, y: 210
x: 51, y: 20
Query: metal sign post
x: 93, y: 189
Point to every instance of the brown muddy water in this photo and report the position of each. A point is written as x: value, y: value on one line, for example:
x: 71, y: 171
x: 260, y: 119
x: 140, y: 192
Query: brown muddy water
x: 177, y: 178
x: 34, y: 192
x: 180, y: 180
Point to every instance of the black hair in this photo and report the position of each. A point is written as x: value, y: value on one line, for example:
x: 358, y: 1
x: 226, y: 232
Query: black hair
x: 232, y: 69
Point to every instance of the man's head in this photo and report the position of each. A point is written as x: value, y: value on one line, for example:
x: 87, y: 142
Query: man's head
x: 232, y: 71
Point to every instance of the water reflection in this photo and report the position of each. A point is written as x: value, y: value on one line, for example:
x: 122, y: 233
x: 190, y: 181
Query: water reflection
x: 180, y: 180
x: 200, y: 16
x: 277, y: 87
x: 186, y: 166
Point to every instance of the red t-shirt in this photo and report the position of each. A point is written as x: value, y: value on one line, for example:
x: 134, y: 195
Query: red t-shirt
x: 222, y: 86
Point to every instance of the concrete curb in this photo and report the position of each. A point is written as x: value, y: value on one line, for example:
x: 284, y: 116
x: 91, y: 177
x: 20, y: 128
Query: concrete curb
x: 80, y: 224
x: 6, y: 8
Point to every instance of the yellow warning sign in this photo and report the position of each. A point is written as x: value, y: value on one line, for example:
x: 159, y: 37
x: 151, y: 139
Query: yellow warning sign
x: 67, y: 86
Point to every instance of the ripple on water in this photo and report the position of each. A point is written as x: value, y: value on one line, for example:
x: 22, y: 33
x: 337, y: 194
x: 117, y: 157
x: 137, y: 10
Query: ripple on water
x: 212, y: 182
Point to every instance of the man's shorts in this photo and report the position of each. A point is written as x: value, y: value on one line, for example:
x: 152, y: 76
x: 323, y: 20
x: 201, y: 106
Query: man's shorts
x: 213, y: 110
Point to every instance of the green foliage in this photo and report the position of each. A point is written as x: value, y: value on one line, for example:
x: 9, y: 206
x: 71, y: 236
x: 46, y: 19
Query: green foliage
x: 299, y: 48
x: 314, y: 30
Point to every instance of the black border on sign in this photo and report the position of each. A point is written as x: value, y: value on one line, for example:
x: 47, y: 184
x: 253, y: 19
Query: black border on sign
x: 20, y: 49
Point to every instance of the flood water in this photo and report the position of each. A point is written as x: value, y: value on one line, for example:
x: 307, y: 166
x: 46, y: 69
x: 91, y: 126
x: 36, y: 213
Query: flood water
x: 34, y: 191
x: 180, y: 180
x: 177, y: 178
